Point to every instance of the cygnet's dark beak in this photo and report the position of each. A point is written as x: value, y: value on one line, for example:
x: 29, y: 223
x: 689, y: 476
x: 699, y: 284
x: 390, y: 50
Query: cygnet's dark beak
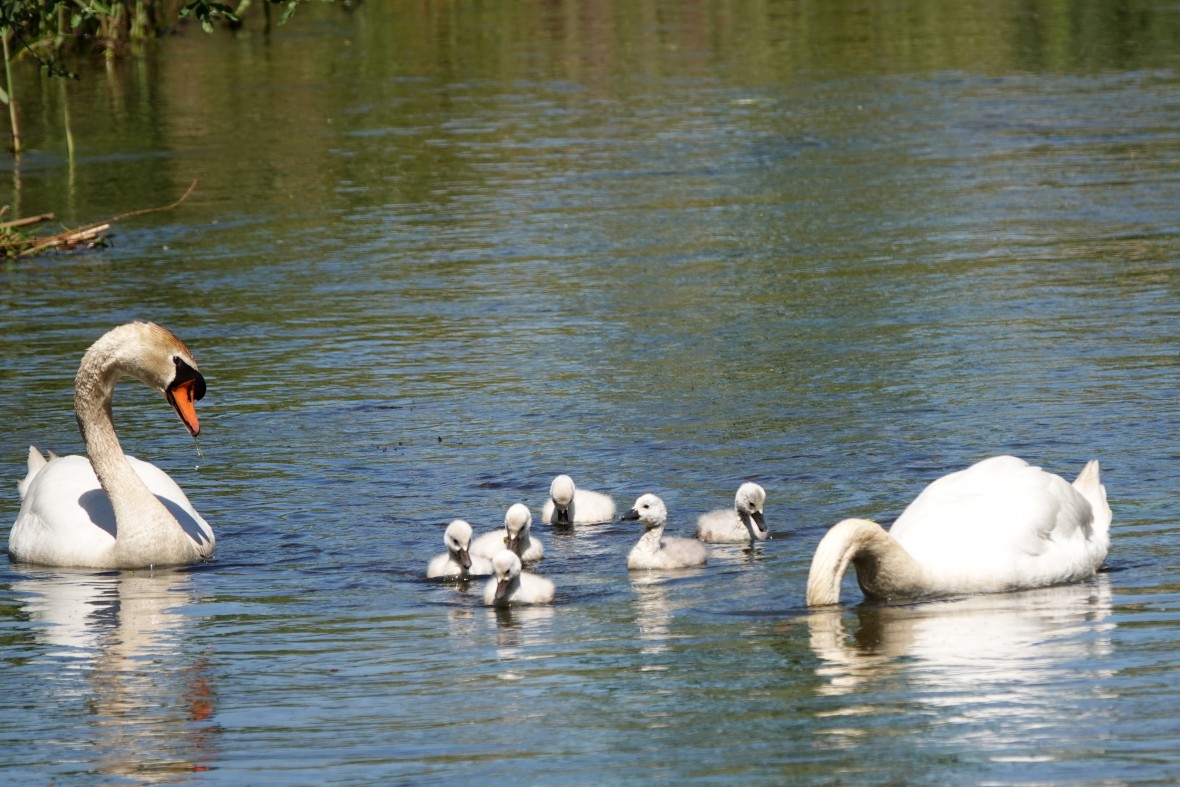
x: 502, y: 588
x: 563, y: 516
x: 630, y: 516
x: 759, y: 521
x: 464, y: 558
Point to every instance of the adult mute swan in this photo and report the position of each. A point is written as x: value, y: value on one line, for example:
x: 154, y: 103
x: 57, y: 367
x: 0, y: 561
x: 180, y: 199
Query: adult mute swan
x: 997, y: 526
x: 741, y: 524
x: 515, y: 536
x: 568, y: 505
x: 513, y: 586
x: 456, y: 562
x: 112, y: 511
x: 653, y: 551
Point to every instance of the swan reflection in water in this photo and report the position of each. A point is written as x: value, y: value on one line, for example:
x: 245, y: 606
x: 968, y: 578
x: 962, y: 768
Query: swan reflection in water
x: 119, y: 650
x: 1013, y: 656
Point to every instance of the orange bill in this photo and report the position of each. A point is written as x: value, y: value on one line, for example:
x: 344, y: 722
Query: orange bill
x: 182, y: 396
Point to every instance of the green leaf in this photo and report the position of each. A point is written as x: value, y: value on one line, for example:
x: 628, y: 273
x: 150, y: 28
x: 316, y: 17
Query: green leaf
x: 3, y: 97
x: 206, y: 25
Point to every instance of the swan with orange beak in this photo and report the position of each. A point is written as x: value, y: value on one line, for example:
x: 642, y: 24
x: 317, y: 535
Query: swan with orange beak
x: 108, y: 510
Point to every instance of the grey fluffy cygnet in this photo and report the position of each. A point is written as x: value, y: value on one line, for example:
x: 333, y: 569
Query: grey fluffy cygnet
x: 514, y: 586
x: 515, y: 535
x: 654, y: 551
x: 568, y: 505
x: 741, y: 524
x: 456, y: 562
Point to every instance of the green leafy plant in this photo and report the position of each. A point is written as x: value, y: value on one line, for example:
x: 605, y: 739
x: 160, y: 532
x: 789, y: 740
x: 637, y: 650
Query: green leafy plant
x: 46, y: 29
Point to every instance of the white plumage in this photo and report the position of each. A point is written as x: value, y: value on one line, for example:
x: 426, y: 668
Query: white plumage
x: 654, y: 551
x: 738, y: 525
x: 514, y: 586
x: 516, y: 535
x: 456, y: 562
x: 109, y: 510
x: 999, y: 525
x: 568, y: 505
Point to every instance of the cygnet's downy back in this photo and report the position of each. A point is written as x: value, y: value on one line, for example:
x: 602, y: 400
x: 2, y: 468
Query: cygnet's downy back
x: 569, y: 505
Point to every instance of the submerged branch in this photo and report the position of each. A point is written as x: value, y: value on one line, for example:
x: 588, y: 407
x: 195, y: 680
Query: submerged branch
x: 87, y: 236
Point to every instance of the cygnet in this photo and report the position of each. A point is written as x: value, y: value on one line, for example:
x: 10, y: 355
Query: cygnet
x: 568, y: 505
x: 655, y: 551
x: 738, y: 525
x: 513, y: 586
x: 456, y: 562
x: 515, y: 536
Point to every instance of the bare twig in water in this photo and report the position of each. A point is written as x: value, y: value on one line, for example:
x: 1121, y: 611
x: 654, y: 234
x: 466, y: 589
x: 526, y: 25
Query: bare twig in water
x: 87, y: 236
x: 10, y: 225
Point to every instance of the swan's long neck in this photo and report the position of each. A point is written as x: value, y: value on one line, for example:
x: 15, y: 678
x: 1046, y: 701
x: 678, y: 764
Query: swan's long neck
x: 144, y: 527
x: 883, y: 567
x: 650, y: 540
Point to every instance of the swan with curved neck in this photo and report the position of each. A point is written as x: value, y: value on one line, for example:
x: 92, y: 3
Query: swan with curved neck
x: 742, y: 524
x: 1000, y: 525
x: 569, y: 505
x: 112, y: 511
x: 516, y: 535
x: 512, y: 586
x: 457, y: 562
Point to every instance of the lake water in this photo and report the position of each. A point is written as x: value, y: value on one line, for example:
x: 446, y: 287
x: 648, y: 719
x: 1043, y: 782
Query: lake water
x: 441, y: 252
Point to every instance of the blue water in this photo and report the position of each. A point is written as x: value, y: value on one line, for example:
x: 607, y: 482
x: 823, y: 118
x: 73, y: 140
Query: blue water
x: 437, y: 256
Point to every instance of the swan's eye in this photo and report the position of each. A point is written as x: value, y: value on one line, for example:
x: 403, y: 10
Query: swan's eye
x: 186, y: 373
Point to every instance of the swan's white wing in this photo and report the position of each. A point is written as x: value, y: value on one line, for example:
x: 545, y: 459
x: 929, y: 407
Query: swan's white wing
x: 1002, y: 523
x: 721, y: 526
x: 442, y: 566
x: 535, y: 589
x: 592, y: 508
x: 174, y: 499
x: 66, y: 518
x: 36, y: 463
x: 489, y: 544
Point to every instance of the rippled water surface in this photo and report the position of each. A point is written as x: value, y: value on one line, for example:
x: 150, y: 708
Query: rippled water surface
x: 440, y: 252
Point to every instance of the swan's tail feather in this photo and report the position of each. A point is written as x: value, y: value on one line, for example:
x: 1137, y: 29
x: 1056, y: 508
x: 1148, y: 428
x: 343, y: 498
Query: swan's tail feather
x: 36, y: 462
x: 1089, y: 484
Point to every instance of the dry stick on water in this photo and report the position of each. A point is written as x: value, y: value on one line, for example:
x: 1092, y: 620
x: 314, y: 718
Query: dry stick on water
x: 15, y: 223
x: 82, y: 234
